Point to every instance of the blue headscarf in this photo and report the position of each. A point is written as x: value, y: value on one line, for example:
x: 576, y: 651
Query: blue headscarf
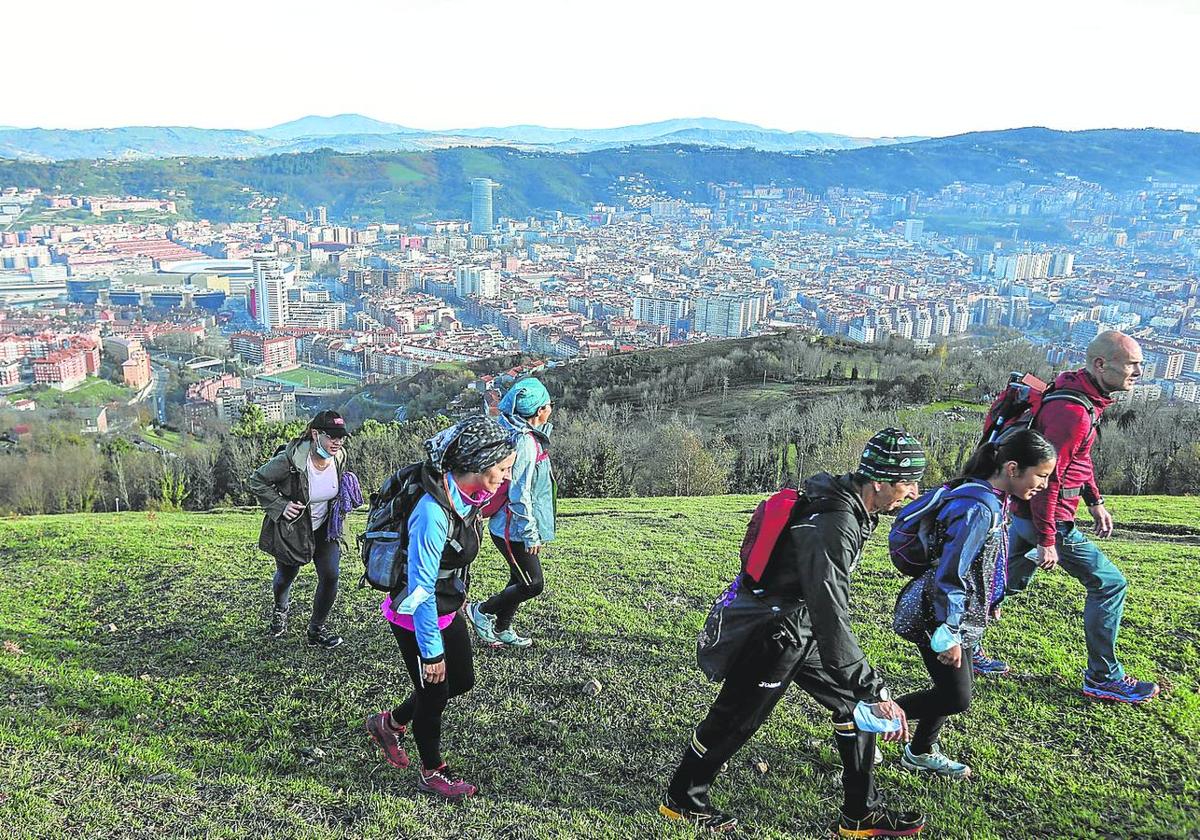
x: 525, y: 398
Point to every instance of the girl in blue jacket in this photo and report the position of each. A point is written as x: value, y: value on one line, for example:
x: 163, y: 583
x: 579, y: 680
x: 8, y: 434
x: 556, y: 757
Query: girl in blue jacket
x: 525, y: 523
x: 946, y: 610
x: 467, y: 463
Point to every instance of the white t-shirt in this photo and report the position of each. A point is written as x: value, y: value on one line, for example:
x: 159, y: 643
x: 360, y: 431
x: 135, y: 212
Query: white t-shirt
x: 322, y: 488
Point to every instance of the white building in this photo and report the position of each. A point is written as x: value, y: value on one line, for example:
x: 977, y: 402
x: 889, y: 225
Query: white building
x: 270, y: 292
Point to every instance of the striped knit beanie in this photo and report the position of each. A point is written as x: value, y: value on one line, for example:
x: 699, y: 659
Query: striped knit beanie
x: 892, y: 455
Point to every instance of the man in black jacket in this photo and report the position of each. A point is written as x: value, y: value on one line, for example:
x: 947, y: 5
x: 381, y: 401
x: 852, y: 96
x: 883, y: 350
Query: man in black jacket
x: 814, y: 647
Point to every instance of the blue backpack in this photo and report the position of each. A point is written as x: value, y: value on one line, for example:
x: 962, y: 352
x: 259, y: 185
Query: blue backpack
x: 915, y: 541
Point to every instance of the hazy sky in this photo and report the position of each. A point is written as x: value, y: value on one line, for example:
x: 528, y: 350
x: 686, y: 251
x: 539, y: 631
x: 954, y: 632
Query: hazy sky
x: 871, y: 67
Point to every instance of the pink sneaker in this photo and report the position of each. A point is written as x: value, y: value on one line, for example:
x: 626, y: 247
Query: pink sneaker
x: 388, y: 739
x: 442, y: 782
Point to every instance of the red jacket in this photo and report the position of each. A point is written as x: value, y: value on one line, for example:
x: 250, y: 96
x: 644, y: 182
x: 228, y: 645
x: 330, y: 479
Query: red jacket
x: 1068, y: 426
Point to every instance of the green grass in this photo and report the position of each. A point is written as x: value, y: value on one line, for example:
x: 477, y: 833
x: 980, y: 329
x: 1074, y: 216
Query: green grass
x: 165, y: 438
x: 312, y: 378
x: 78, y: 216
x: 716, y: 409
x: 93, y: 392
x: 146, y: 700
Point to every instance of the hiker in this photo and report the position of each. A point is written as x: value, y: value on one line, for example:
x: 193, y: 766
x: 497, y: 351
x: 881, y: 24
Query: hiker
x: 466, y: 464
x: 523, y: 522
x: 945, y: 610
x: 306, y: 492
x: 813, y: 646
x: 1046, y: 523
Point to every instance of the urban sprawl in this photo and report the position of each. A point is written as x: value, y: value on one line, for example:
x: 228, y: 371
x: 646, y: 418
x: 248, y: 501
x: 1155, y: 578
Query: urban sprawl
x: 308, y: 307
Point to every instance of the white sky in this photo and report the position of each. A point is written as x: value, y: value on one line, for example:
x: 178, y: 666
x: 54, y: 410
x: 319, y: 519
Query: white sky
x: 859, y: 67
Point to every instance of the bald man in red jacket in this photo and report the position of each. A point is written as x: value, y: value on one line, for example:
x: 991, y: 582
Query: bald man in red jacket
x: 1047, y: 522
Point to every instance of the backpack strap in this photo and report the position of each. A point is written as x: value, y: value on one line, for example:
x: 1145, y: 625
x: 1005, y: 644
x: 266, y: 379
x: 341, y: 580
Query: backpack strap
x: 1076, y: 397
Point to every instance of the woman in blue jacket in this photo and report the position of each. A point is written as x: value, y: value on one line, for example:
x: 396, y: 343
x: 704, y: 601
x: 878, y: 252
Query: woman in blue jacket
x: 946, y: 610
x: 467, y: 463
x: 526, y: 521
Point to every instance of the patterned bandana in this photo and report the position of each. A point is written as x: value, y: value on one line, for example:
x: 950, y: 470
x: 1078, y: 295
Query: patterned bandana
x: 892, y: 455
x: 472, y: 445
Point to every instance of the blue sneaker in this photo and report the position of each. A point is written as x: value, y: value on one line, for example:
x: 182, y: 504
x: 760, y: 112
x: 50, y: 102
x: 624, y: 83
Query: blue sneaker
x: 484, y: 624
x: 1124, y: 690
x: 984, y: 666
x: 512, y: 638
x: 934, y: 762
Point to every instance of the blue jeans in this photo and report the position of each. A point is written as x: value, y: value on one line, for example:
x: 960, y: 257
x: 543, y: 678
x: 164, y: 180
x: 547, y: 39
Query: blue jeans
x: 1084, y: 561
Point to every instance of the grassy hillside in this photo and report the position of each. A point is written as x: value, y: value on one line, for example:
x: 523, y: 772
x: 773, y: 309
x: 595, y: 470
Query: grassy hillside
x: 143, y: 698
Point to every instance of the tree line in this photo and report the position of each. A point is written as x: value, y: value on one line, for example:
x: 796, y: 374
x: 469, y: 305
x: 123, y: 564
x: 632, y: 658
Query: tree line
x: 623, y: 427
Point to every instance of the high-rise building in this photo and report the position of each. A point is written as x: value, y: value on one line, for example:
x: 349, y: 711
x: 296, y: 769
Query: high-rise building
x: 320, y: 215
x: 471, y: 281
x: 661, y: 311
x: 1063, y: 265
x: 482, y: 220
x: 914, y: 230
x: 942, y: 320
x: 270, y: 292
x: 729, y: 315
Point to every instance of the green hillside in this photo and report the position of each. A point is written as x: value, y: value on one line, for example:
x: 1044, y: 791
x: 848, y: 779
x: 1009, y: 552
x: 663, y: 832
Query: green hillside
x: 415, y: 185
x: 143, y: 698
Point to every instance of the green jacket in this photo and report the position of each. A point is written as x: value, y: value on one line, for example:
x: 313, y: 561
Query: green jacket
x: 281, y: 480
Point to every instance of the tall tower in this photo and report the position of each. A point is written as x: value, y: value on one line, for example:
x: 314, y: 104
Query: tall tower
x: 481, y: 205
x: 270, y: 291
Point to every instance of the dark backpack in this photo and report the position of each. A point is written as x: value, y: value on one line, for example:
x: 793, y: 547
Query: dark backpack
x: 743, y: 609
x: 916, y: 538
x: 1018, y: 405
x: 384, y: 546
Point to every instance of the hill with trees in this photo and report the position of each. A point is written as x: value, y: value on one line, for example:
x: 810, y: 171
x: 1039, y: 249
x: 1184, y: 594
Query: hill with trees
x: 410, y: 186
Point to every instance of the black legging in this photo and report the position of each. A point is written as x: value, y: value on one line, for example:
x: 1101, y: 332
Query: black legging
x: 327, y: 554
x: 950, y: 695
x: 425, y: 705
x: 522, y: 585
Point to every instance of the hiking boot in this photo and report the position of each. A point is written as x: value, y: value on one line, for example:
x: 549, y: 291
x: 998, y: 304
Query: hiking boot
x: 387, y: 738
x: 933, y: 762
x: 984, y: 666
x: 1124, y: 690
x: 442, y: 782
x: 484, y: 624
x: 321, y: 636
x: 279, y: 622
x: 704, y: 817
x: 511, y: 638
x: 882, y: 822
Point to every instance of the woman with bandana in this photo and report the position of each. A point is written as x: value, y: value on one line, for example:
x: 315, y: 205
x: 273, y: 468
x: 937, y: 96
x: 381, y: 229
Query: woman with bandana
x: 525, y: 523
x: 304, y: 491
x: 465, y: 466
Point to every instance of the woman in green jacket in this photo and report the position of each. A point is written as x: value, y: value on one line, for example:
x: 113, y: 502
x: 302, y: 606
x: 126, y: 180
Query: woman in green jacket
x: 297, y: 489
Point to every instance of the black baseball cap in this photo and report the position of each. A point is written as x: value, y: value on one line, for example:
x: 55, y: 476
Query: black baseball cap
x: 331, y: 423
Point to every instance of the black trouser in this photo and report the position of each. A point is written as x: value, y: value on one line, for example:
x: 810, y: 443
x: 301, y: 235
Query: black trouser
x: 759, y: 679
x: 950, y: 695
x: 425, y: 705
x: 327, y: 555
x: 524, y: 582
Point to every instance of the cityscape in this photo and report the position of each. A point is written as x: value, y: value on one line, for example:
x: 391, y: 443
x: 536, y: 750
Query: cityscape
x: 292, y: 310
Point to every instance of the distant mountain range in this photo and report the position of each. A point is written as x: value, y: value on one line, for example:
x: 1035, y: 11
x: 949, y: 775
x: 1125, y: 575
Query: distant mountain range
x: 356, y: 133
x: 411, y: 186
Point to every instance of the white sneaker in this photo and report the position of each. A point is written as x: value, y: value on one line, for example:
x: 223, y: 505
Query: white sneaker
x: 934, y: 762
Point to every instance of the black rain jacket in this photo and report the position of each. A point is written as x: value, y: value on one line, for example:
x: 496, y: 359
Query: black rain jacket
x: 813, y: 561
